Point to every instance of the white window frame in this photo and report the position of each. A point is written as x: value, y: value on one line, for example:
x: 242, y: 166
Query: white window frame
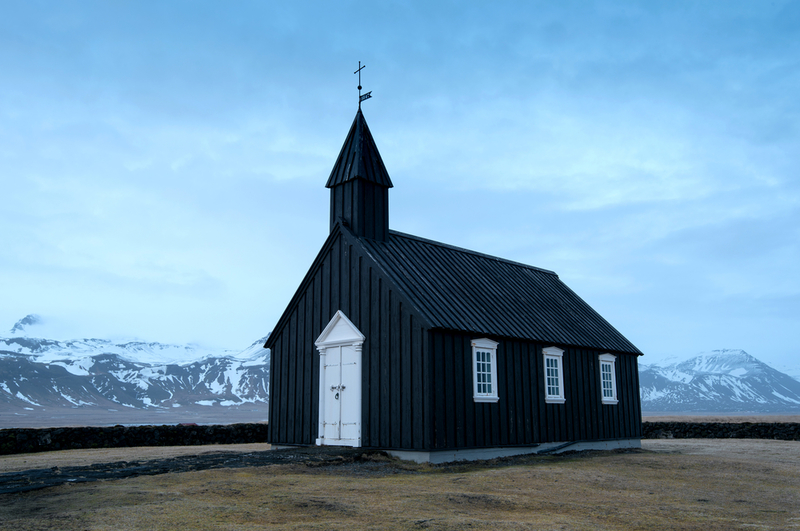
x: 609, y: 360
x: 490, y: 347
x: 557, y: 355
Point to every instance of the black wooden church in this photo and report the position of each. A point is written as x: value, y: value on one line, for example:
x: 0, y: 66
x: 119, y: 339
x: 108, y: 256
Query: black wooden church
x: 435, y: 352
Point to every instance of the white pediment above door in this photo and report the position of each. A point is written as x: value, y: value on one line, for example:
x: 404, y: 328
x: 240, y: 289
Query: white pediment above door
x: 340, y: 331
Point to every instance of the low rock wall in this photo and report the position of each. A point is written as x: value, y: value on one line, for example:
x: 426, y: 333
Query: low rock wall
x: 28, y: 440
x: 785, y: 431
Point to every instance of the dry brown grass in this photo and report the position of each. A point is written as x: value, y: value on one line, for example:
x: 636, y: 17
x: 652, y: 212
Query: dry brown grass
x: 671, y: 484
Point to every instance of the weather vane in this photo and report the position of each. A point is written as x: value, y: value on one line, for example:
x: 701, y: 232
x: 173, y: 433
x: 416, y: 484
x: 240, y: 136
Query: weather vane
x: 366, y: 96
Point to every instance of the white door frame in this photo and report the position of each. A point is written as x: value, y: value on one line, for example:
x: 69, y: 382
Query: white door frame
x: 340, y: 364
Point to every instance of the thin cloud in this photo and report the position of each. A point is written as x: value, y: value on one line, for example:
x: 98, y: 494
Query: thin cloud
x: 164, y: 164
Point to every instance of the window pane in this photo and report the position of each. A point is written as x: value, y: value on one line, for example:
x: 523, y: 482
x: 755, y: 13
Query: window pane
x: 551, y: 376
x: 483, y: 372
x: 607, y: 379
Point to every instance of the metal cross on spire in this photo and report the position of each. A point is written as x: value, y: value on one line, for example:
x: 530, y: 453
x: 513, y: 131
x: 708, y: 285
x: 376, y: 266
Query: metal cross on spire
x: 366, y: 96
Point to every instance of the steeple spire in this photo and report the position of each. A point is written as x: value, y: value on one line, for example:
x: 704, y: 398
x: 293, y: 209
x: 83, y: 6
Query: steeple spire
x: 360, y: 184
x: 359, y: 158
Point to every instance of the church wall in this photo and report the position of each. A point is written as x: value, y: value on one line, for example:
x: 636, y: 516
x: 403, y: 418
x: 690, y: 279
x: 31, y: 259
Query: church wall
x: 394, y: 353
x: 417, y: 384
x: 521, y: 416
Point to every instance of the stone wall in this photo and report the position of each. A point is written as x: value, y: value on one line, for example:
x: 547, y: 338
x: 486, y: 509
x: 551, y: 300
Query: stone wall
x: 28, y: 440
x: 785, y: 431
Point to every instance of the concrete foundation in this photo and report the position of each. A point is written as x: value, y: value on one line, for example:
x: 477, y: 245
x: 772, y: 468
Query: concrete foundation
x: 474, y: 454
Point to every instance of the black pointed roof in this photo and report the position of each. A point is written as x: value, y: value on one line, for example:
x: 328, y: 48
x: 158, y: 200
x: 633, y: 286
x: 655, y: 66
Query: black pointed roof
x: 359, y: 158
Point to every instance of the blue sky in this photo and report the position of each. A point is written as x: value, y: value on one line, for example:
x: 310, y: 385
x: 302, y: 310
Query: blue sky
x: 163, y: 163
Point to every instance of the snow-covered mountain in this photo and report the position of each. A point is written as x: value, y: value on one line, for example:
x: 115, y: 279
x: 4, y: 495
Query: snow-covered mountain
x: 721, y: 381
x: 45, y: 373
x: 132, y: 375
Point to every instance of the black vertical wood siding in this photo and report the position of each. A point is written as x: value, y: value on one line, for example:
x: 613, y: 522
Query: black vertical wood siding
x: 417, y: 390
x: 521, y: 416
x: 394, y: 353
x: 364, y: 206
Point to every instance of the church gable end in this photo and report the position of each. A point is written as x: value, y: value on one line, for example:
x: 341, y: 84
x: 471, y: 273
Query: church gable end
x: 394, y: 352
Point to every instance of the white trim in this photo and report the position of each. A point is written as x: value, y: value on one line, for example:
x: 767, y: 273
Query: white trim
x: 485, y: 346
x: 609, y: 359
x: 557, y: 355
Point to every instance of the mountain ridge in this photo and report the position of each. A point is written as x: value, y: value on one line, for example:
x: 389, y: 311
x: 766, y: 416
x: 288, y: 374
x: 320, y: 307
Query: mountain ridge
x: 720, y: 381
x: 45, y: 374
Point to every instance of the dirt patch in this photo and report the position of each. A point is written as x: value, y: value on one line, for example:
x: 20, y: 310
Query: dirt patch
x: 65, y: 458
x: 38, y: 478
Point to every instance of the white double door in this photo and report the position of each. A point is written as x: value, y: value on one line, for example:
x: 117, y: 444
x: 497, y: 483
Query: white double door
x: 339, y: 348
x: 342, y: 423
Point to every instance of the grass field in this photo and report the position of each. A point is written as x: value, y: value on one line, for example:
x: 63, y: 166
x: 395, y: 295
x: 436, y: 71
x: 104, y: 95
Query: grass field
x: 671, y: 484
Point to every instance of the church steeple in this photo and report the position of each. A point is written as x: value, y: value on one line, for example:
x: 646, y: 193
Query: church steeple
x: 360, y: 184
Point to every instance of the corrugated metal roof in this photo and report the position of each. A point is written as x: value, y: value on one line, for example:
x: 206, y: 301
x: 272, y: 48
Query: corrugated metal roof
x: 359, y: 158
x: 458, y: 289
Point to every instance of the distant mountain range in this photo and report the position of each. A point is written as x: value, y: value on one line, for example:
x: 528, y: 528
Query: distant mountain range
x: 721, y: 381
x: 97, y: 373
x: 45, y: 373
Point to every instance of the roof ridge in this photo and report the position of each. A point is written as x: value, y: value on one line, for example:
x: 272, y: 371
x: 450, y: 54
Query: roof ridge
x: 469, y: 251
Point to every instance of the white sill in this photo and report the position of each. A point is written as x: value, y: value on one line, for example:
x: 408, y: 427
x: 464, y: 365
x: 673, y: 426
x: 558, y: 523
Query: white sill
x: 486, y: 398
x: 610, y: 402
x: 554, y: 400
